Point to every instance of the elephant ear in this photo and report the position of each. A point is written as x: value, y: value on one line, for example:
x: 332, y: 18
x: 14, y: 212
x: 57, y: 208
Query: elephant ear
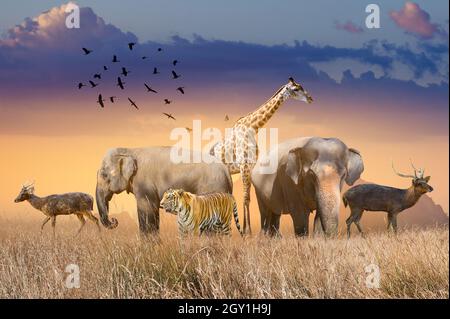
x: 127, y: 167
x: 294, y: 164
x: 355, y: 166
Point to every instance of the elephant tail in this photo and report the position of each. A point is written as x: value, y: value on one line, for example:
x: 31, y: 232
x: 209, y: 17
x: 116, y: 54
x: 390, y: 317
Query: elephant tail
x: 236, y: 218
x: 344, y: 199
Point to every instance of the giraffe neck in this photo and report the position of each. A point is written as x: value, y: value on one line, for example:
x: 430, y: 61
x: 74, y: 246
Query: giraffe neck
x: 262, y: 115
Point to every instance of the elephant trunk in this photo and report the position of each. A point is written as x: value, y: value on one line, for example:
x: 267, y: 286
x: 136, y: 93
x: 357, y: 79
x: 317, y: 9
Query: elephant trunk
x: 328, y: 202
x: 103, y: 199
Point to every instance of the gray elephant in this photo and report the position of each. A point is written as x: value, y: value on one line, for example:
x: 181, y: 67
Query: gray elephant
x: 309, y: 176
x: 148, y: 173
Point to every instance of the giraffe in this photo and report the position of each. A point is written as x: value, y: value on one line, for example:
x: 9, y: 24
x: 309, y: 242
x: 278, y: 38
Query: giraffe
x: 239, y: 150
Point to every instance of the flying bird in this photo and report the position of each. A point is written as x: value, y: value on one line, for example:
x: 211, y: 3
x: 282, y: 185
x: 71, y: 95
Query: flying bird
x: 159, y: 49
x: 100, y: 100
x: 181, y: 89
x: 111, y: 98
x: 86, y: 51
x: 133, y: 103
x: 149, y: 89
x: 80, y: 85
x: 125, y: 72
x: 115, y: 59
x: 175, y: 62
x: 227, y: 118
x: 131, y: 45
x: 175, y: 75
x: 155, y: 71
x: 188, y: 129
x: 97, y: 76
x: 144, y: 57
x: 166, y: 101
x: 93, y: 85
x: 105, y: 68
x: 120, y: 83
x: 169, y: 116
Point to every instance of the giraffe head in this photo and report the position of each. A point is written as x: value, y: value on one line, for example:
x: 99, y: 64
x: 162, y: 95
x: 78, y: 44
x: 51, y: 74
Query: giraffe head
x: 296, y: 91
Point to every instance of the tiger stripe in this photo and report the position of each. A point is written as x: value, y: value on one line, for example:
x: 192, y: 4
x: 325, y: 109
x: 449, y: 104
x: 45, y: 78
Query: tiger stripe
x: 198, y: 214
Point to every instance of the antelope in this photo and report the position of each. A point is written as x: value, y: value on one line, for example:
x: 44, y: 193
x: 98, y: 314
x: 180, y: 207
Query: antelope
x: 78, y: 204
x: 372, y: 197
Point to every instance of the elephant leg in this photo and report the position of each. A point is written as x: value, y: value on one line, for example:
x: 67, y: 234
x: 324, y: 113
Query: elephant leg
x: 318, y: 228
x: 264, y: 214
x: 300, y: 220
x: 274, y: 228
x: 148, y: 214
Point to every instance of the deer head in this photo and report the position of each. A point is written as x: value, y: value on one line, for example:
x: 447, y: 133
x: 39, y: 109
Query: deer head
x: 25, y: 193
x: 419, y: 182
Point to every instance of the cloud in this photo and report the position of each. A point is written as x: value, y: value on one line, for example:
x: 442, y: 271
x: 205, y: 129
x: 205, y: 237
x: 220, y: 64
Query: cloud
x: 416, y: 21
x: 48, y: 31
x: 43, y: 53
x: 348, y: 27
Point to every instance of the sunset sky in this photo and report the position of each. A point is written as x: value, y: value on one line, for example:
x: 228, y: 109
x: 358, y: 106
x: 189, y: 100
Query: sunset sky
x: 382, y: 91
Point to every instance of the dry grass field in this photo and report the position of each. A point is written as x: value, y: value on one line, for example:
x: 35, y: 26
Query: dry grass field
x: 120, y: 264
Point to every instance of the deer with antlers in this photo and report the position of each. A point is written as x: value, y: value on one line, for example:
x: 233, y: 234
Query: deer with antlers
x: 372, y: 197
x: 79, y: 204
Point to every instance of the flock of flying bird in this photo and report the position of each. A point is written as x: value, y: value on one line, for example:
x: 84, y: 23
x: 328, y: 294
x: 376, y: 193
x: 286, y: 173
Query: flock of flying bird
x: 121, y: 84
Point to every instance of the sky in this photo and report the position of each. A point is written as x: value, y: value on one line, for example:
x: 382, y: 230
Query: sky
x: 382, y: 91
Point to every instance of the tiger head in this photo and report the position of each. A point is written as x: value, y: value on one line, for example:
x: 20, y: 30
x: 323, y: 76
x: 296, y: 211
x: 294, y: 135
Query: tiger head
x: 173, y: 200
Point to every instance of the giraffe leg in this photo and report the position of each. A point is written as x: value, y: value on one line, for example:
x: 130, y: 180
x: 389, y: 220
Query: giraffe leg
x: 245, y: 175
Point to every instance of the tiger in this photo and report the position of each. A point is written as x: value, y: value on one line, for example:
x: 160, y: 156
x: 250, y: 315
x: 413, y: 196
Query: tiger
x: 197, y: 214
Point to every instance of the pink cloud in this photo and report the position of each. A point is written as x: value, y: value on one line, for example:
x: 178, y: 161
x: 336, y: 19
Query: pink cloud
x: 416, y: 21
x: 349, y: 27
x: 48, y: 31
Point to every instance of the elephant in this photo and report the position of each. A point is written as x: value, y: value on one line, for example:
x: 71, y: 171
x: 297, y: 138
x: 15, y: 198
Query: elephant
x: 147, y: 173
x: 309, y: 177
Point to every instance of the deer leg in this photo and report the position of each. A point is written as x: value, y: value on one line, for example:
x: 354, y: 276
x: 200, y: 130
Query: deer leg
x: 53, y: 225
x: 358, y: 225
x: 82, y: 221
x: 91, y: 217
x: 389, y: 225
x: 349, y: 222
x: 245, y: 175
x: 394, y: 222
x: 44, y: 222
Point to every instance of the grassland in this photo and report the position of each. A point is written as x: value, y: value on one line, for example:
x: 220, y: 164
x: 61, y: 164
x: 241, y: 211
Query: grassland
x: 120, y: 264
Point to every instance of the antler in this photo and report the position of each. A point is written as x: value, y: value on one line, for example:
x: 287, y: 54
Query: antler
x: 400, y: 174
x: 418, y: 173
x: 28, y: 185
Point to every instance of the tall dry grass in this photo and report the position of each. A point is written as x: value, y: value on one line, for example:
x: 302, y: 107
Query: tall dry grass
x: 120, y: 264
